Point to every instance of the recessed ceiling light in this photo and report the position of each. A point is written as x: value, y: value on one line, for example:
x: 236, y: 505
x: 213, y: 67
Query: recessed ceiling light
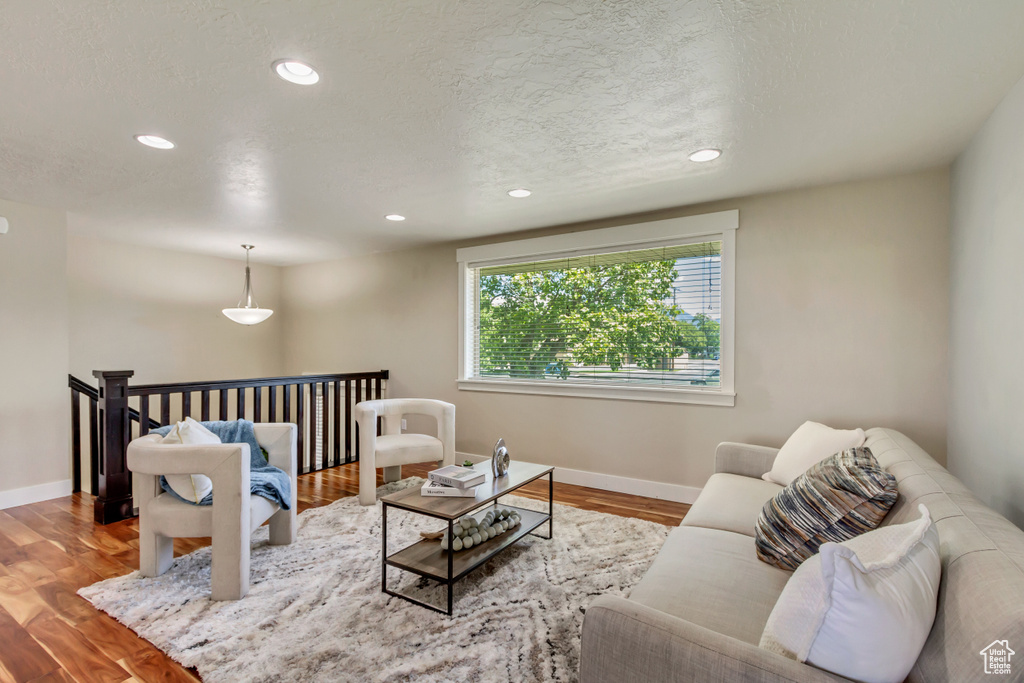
x: 296, y: 72
x: 702, y: 155
x: 519, y: 193
x: 394, y: 217
x: 155, y: 141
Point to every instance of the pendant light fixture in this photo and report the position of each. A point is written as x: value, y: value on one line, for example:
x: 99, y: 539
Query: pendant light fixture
x: 250, y: 313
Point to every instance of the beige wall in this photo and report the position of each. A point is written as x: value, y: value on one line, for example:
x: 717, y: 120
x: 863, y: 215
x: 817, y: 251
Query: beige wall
x: 33, y: 350
x: 158, y: 312
x: 986, y: 423
x: 841, y: 317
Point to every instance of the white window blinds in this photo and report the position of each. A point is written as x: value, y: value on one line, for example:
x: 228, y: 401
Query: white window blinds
x: 641, y: 317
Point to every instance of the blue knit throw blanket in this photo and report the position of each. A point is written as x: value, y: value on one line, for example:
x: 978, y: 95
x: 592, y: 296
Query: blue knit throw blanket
x: 265, y: 480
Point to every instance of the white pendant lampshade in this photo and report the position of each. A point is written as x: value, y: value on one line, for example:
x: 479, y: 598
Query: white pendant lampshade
x: 248, y: 316
x: 248, y: 311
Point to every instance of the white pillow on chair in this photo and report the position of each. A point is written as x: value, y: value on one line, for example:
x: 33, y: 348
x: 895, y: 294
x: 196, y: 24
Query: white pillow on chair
x: 807, y: 446
x: 862, y: 608
x: 191, y: 487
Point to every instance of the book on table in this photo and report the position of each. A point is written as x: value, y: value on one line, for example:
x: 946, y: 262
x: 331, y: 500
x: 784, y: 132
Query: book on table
x: 433, y: 488
x: 457, y: 476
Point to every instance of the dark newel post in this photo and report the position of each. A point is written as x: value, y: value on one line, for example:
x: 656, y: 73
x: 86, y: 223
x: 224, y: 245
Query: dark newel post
x: 114, y: 501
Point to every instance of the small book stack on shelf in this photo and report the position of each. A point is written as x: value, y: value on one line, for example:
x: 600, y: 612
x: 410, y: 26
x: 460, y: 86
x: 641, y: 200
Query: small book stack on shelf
x: 453, y: 481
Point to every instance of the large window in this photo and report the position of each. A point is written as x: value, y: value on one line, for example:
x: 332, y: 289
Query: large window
x: 634, y: 312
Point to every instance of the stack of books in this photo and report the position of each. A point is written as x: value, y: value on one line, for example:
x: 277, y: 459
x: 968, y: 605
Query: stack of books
x: 453, y: 481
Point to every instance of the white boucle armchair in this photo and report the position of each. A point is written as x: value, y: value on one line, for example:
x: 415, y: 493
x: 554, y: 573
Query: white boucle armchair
x: 393, y: 449
x: 235, y: 512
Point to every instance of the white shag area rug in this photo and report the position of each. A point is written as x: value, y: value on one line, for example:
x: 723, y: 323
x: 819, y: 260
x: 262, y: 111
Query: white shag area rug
x: 315, y: 610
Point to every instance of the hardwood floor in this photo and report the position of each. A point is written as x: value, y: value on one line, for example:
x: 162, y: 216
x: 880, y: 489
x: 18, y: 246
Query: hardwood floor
x: 49, y: 550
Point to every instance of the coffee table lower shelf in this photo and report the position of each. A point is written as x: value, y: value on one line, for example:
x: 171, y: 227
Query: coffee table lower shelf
x: 427, y: 559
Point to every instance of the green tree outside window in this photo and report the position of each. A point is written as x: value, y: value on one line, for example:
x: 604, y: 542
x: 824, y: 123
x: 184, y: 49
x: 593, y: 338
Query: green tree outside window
x: 547, y: 321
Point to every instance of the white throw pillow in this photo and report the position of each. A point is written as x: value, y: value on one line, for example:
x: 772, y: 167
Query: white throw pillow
x: 191, y: 487
x: 807, y: 446
x: 862, y: 608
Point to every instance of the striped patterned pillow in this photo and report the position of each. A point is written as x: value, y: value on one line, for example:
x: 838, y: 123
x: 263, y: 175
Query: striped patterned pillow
x: 842, y: 496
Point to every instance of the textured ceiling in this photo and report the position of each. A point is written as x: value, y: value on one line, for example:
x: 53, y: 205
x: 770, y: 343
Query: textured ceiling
x: 434, y: 108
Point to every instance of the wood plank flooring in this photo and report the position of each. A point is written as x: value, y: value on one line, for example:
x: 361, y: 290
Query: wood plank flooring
x: 51, y: 549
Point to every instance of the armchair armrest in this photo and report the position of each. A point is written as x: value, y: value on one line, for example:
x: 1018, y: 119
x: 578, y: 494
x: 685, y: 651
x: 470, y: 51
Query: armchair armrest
x: 626, y: 642
x: 279, y: 439
x: 744, y: 459
x: 148, y: 456
x: 446, y: 431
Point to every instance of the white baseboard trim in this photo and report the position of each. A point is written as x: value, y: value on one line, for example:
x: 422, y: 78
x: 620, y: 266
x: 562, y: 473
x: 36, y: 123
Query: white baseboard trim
x: 610, y: 482
x: 34, y: 494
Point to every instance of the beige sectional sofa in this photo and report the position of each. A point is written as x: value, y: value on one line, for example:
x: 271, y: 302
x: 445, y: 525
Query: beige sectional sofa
x: 699, y: 612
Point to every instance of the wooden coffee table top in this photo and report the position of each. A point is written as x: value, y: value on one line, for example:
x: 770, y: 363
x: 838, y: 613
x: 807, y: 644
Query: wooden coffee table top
x: 519, y: 473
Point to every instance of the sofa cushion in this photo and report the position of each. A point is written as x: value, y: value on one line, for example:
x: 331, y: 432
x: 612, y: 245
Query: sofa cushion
x: 731, y: 502
x: 839, y: 498
x: 712, y: 578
